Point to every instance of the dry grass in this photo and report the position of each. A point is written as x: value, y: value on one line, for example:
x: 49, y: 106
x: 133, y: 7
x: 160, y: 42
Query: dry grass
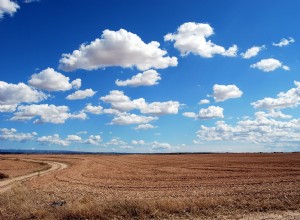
x: 159, y: 187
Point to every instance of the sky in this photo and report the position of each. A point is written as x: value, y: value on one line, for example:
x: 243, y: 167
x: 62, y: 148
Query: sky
x: 150, y: 76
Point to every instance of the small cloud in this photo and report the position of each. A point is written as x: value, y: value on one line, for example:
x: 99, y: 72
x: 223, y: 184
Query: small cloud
x: 252, y: 52
x: 284, y: 42
x: 268, y: 65
x: 224, y: 92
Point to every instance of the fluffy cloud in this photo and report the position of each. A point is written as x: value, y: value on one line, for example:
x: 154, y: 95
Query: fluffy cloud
x: 144, y: 127
x: 252, y: 52
x: 81, y: 94
x: 139, y: 142
x: 128, y: 119
x: 268, y: 65
x: 8, y: 108
x: 224, y: 92
x: 96, y: 110
x: 204, y: 101
x: 206, y: 113
x: 157, y: 146
x: 51, y: 80
x: 117, y: 48
x: 13, y: 94
x: 263, y: 129
x: 8, y: 7
x: 45, y: 114
x: 284, y: 42
x: 74, y: 138
x: 116, y: 141
x: 121, y: 102
x: 13, y: 135
x: 93, y: 140
x: 53, y: 139
x: 288, y: 99
x: 192, y: 37
x: 147, y: 78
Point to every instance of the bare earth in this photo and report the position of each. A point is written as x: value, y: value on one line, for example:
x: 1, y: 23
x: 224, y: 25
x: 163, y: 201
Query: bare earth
x: 189, y: 186
x: 20, y: 167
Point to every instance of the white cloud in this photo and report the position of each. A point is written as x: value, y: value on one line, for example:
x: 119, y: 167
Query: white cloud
x: 74, y: 138
x: 30, y: 1
x: 138, y: 142
x: 93, y: 140
x: 116, y: 141
x: 144, y: 127
x: 263, y: 129
x: 76, y: 84
x: 147, y: 78
x: 157, y: 146
x: 13, y: 135
x: 204, y: 101
x: 161, y: 108
x: 224, y: 92
x: 13, y: 94
x: 51, y: 80
x: 268, y: 65
x: 81, y: 94
x: 273, y: 114
x: 8, y: 108
x: 96, y: 110
x: 117, y: 48
x: 284, y: 42
x: 288, y: 99
x: 53, y: 139
x: 121, y: 102
x: 206, y: 113
x: 192, y: 37
x: 45, y: 114
x: 8, y: 7
x: 211, y: 112
x: 252, y: 52
x: 128, y: 119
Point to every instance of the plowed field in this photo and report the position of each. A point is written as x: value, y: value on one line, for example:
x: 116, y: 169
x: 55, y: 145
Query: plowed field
x: 162, y: 186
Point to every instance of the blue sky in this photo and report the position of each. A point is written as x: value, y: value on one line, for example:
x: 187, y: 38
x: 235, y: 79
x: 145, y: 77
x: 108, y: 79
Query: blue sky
x: 150, y: 76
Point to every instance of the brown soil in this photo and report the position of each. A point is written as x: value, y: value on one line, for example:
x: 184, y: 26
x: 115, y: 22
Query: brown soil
x: 14, y: 167
x: 204, y: 186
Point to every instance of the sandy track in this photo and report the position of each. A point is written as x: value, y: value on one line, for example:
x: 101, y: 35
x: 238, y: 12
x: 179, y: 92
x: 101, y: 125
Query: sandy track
x: 7, y: 184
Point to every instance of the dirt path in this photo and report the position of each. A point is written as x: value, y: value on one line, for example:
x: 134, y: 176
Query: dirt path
x: 7, y: 184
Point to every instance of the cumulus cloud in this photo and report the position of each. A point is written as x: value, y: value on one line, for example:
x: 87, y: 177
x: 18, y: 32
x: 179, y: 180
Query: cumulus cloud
x: 74, y: 138
x: 13, y: 135
x: 93, y: 140
x: 81, y: 94
x: 138, y: 142
x: 284, y: 42
x: 121, y: 102
x: 117, y: 48
x: 206, y: 113
x: 144, y: 127
x: 263, y: 129
x: 252, y: 52
x: 192, y: 37
x: 45, y: 114
x: 268, y: 65
x: 96, y: 110
x: 224, y: 92
x: 51, y: 80
x: 53, y: 140
x: 128, y: 119
x: 147, y: 78
x: 116, y: 141
x: 204, y: 101
x: 8, y: 7
x: 14, y: 94
x: 288, y: 99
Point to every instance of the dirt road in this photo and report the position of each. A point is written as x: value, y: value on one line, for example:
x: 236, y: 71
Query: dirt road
x: 7, y: 184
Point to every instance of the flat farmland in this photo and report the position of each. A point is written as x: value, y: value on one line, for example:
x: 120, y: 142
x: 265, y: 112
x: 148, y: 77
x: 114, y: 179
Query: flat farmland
x: 187, y: 186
